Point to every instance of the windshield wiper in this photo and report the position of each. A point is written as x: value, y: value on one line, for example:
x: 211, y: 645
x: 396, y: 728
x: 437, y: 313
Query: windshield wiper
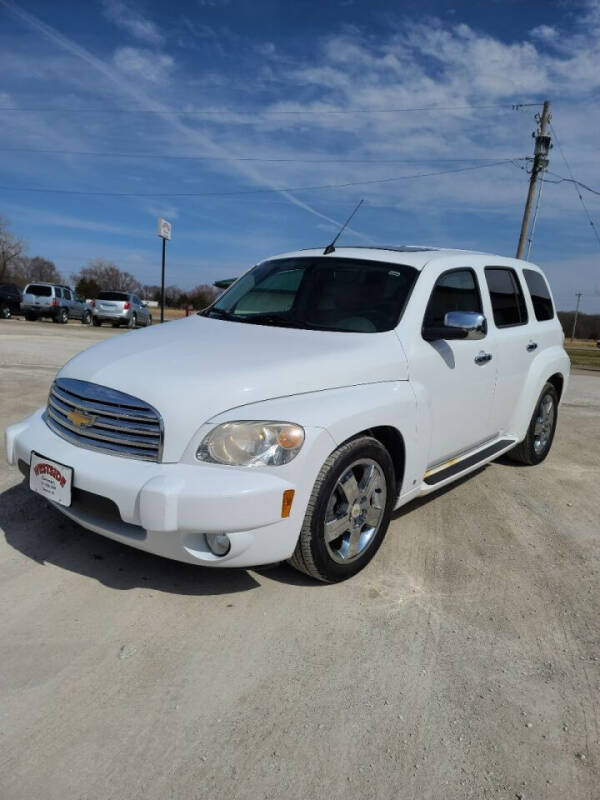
x: 271, y: 319
x: 218, y: 313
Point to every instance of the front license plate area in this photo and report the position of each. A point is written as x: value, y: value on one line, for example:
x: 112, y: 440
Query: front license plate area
x: 51, y: 479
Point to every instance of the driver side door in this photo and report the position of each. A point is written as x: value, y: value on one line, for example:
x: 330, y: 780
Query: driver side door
x: 457, y: 382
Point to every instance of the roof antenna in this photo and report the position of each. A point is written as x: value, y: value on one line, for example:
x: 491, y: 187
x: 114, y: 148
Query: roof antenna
x: 331, y: 247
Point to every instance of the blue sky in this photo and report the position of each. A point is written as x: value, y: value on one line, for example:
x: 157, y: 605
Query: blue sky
x: 115, y: 92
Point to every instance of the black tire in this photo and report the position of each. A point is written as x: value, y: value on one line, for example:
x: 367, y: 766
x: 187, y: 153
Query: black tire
x: 62, y: 317
x: 30, y: 317
x: 530, y: 451
x: 115, y: 324
x: 86, y: 317
x: 311, y: 554
x: 5, y: 312
x: 149, y: 320
x: 96, y: 322
x: 132, y: 321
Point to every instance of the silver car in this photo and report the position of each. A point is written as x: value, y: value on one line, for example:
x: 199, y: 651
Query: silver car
x: 120, y: 308
x: 58, y: 302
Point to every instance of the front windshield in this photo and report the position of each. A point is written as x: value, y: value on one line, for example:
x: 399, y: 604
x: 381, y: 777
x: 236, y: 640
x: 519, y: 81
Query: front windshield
x: 338, y: 294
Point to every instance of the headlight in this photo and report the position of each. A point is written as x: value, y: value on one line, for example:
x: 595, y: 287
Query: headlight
x: 252, y: 444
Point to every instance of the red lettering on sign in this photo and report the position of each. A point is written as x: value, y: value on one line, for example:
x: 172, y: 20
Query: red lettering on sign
x: 48, y: 469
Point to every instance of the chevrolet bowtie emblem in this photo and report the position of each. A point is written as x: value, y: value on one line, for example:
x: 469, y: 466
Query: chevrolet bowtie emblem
x: 80, y: 419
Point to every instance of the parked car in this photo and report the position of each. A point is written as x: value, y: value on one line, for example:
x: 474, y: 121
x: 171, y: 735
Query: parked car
x: 314, y: 397
x: 58, y: 302
x: 120, y: 308
x: 10, y: 300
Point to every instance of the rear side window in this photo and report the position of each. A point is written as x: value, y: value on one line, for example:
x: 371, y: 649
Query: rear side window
x: 39, y: 291
x: 113, y: 296
x: 57, y: 291
x: 67, y: 293
x: 508, y: 303
x: 454, y: 291
x: 540, y: 295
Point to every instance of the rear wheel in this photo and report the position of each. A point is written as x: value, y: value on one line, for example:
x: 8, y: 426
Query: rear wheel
x: 536, y: 445
x: 5, y: 312
x: 62, y: 317
x: 115, y: 324
x: 132, y: 321
x: 96, y: 322
x: 348, y: 513
x: 86, y: 317
x: 30, y: 317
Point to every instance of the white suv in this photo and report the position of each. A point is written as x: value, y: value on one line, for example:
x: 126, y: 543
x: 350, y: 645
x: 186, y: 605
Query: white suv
x: 289, y: 420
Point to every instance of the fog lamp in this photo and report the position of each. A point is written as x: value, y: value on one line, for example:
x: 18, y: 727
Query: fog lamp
x: 219, y: 544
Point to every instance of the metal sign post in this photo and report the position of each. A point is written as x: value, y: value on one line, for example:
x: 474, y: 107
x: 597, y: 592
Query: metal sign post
x: 164, y: 231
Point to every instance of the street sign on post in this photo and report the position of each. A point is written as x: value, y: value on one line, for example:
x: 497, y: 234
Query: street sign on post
x: 164, y: 231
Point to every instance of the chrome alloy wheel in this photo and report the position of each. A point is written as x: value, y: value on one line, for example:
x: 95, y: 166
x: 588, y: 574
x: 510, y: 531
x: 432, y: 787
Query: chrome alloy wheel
x: 355, y: 510
x: 544, y: 424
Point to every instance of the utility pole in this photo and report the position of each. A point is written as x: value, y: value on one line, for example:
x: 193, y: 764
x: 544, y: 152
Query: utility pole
x: 578, y: 296
x: 540, y: 162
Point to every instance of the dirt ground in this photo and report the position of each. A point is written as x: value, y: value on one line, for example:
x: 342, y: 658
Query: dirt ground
x: 464, y: 662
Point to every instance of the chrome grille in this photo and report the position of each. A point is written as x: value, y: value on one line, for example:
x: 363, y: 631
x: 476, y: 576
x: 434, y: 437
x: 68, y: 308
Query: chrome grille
x: 98, y: 418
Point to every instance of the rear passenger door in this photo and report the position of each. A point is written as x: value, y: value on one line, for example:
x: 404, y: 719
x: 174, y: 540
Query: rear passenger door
x: 510, y: 318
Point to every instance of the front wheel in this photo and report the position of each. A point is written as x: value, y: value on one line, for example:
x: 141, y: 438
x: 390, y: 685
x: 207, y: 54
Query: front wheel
x: 348, y: 513
x: 536, y: 445
x: 96, y: 322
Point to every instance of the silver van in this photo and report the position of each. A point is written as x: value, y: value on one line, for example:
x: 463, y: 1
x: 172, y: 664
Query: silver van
x: 120, y: 308
x: 54, y: 301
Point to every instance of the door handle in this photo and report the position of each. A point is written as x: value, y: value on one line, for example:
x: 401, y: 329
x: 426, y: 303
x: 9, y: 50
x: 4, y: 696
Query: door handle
x: 531, y: 347
x: 482, y: 358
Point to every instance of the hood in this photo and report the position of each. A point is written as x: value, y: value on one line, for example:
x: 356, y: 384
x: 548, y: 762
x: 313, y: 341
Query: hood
x: 198, y: 367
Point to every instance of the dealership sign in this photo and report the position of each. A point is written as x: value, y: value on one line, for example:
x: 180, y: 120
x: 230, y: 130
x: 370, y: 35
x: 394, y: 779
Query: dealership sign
x: 164, y: 229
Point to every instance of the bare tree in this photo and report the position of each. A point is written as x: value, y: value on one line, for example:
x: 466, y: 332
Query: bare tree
x: 36, y: 269
x: 11, y: 251
x: 105, y: 275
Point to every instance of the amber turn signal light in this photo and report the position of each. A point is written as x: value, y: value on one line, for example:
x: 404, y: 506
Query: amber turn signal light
x: 286, y: 503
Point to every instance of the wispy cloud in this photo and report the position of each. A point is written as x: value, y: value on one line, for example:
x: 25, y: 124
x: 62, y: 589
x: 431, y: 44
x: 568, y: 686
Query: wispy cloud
x: 145, y: 64
x: 131, y: 20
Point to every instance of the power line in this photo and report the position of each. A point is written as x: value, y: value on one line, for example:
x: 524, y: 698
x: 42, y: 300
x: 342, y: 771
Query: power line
x: 572, y: 180
x: 576, y: 186
x: 268, y: 111
x: 203, y: 157
x: 254, y: 191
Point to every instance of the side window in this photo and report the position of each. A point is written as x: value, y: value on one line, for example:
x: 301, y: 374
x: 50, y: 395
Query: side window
x: 67, y: 294
x: 456, y: 290
x: 540, y: 294
x: 508, y: 303
x: 57, y: 291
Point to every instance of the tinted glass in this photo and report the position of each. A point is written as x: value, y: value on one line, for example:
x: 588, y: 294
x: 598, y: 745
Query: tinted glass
x: 39, y: 291
x: 57, y: 291
x: 67, y: 293
x: 454, y: 291
x: 508, y: 303
x: 113, y: 296
x: 323, y: 293
x: 540, y: 294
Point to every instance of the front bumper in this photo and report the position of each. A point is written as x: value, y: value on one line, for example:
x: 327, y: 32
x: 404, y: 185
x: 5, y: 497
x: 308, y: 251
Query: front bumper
x: 166, y: 508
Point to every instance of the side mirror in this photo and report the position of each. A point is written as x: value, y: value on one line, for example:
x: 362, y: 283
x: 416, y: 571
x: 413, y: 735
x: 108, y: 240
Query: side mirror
x: 458, y: 325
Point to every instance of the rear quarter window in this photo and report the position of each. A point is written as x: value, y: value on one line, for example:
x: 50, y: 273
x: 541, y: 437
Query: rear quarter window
x: 540, y: 294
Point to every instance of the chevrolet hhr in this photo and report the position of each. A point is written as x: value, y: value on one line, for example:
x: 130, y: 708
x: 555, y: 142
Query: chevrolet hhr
x: 314, y: 397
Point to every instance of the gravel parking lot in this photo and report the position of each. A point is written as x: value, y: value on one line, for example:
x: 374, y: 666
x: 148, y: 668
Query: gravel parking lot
x: 464, y: 662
